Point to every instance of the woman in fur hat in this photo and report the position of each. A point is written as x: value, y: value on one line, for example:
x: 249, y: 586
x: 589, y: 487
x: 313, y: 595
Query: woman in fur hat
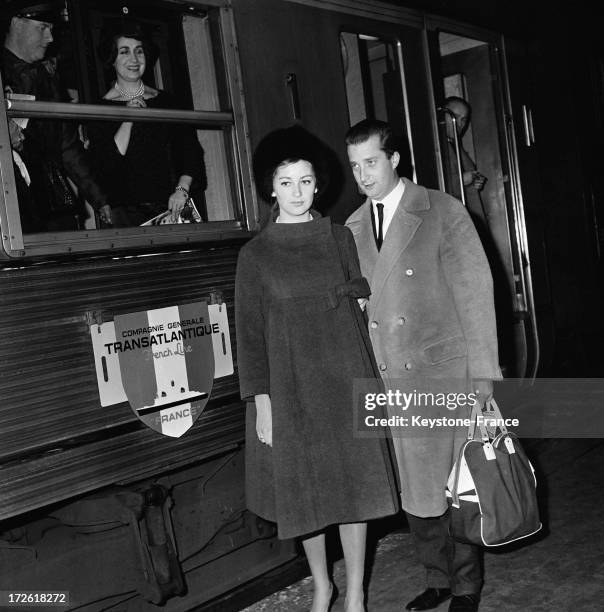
x: 301, y: 342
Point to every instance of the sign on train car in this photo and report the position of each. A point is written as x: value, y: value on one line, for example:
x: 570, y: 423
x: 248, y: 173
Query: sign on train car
x: 163, y: 362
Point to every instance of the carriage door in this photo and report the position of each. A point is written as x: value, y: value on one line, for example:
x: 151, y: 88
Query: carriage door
x: 326, y: 66
x: 478, y: 165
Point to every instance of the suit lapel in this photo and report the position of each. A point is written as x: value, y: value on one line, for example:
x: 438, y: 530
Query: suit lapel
x: 366, y: 247
x: 400, y: 232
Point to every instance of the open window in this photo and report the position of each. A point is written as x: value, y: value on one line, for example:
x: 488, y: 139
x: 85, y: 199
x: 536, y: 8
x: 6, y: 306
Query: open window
x: 85, y: 143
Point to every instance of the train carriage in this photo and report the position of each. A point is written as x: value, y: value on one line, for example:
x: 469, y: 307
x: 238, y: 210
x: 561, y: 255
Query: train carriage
x: 121, y: 457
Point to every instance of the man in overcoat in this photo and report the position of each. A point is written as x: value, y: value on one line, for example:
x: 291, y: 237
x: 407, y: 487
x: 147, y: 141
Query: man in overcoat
x: 432, y: 326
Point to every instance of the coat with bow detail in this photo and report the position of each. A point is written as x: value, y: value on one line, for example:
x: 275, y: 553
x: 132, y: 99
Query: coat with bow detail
x: 301, y: 339
x: 432, y: 327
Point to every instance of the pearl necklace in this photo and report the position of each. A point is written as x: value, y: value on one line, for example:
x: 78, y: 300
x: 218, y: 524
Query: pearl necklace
x: 130, y: 96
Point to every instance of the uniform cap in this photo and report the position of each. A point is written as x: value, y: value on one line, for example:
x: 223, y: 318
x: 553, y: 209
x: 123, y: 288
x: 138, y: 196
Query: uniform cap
x: 49, y: 12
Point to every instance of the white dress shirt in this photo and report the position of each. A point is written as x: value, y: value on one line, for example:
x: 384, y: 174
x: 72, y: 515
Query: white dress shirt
x: 390, y: 203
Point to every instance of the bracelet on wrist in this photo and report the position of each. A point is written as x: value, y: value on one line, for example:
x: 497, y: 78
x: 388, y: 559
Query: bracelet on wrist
x: 183, y: 189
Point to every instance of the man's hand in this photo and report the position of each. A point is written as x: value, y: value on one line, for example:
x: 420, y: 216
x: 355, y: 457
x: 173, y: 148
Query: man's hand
x: 478, y: 181
x: 16, y: 135
x: 483, y: 389
x: 484, y: 393
x: 468, y: 178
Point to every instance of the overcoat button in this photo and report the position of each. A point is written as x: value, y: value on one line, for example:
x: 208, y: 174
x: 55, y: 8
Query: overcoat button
x: 409, y: 272
x: 374, y: 324
x: 408, y: 366
x: 401, y: 320
x: 383, y: 366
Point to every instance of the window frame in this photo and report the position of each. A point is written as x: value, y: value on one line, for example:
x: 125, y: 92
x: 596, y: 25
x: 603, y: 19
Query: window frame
x: 232, y: 122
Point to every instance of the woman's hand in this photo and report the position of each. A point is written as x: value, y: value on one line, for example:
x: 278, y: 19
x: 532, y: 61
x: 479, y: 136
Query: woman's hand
x: 137, y: 103
x: 177, y: 202
x: 105, y: 214
x: 264, y: 419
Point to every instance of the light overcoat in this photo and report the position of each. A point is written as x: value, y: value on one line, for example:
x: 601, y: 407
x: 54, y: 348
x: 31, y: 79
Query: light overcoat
x: 432, y: 326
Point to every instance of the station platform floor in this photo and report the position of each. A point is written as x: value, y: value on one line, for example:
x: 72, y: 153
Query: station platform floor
x: 560, y: 569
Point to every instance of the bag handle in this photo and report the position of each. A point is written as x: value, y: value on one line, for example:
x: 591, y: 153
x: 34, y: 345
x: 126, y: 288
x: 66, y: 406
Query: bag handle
x: 494, y: 412
x: 484, y: 434
x: 454, y: 493
x: 476, y: 412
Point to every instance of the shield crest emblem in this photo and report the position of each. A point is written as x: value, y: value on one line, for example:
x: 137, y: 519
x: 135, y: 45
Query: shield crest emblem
x: 166, y: 361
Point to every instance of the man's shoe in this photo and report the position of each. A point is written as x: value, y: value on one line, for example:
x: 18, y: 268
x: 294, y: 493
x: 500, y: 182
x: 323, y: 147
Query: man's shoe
x: 429, y: 599
x: 465, y: 603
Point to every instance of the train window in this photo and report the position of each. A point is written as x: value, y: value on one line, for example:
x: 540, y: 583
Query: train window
x: 375, y: 84
x: 62, y: 190
x: 156, y: 121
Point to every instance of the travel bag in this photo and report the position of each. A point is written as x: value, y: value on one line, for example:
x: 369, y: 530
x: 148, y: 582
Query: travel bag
x: 491, y: 490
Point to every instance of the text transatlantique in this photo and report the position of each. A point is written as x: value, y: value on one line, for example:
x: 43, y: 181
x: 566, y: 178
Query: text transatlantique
x: 160, y: 339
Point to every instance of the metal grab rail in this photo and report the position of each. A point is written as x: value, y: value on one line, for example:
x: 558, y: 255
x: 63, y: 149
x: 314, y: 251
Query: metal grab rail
x: 68, y: 110
x: 524, y: 270
x: 462, y: 191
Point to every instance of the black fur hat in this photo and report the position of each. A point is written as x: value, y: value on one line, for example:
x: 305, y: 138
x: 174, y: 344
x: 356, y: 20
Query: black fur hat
x: 289, y: 145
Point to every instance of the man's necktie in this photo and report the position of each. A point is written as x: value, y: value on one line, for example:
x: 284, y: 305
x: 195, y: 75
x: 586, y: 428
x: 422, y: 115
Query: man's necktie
x: 380, y: 229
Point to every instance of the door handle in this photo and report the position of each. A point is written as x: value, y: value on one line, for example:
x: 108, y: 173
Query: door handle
x: 291, y: 82
x: 462, y: 191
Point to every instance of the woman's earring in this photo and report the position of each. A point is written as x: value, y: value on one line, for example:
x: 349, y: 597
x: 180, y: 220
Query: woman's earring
x: 316, y: 190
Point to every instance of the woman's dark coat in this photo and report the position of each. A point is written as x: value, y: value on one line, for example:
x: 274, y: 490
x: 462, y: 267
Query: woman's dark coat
x: 301, y: 339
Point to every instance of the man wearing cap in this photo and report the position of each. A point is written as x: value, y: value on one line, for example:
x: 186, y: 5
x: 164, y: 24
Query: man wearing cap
x: 51, y: 150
